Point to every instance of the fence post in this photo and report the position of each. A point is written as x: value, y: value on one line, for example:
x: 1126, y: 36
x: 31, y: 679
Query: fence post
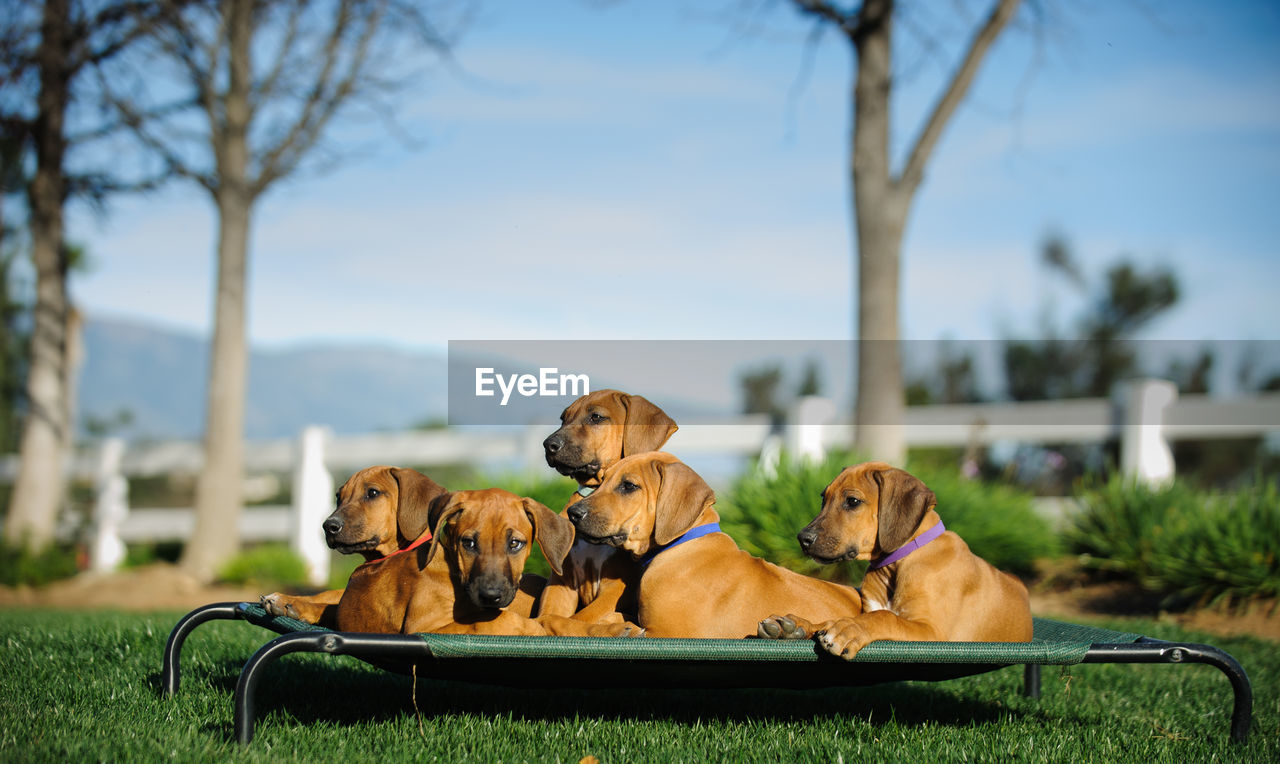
x: 531, y: 450
x: 809, y: 416
x: 1144, y: 452
x: 110, y: 508
x: 312, y: 503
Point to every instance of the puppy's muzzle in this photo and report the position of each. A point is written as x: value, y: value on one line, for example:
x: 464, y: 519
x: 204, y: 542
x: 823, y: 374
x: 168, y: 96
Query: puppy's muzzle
x: 822, y: 548
x: 491, y: 592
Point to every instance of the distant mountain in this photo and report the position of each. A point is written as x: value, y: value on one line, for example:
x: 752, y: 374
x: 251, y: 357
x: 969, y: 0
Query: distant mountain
x: 159, y: 376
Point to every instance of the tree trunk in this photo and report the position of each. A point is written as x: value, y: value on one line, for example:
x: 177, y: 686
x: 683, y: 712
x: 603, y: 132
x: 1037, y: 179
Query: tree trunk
x: 881, y: 203
x: 879, y: 211
x: 38, y: 490
x: 219, y: 489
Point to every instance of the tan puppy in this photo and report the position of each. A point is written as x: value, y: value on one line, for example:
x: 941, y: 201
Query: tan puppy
x: 929, y: 587
x: 595, y: 432
x: 704, y: 586
x: 380, y: 511
x: 473, y: 569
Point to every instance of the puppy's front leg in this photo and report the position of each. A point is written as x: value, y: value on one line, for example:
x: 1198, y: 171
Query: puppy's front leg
x: 560, y: 626
x: 320, y: 609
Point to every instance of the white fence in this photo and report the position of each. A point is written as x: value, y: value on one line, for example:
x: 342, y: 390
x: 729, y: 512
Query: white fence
x: 1148, y: 417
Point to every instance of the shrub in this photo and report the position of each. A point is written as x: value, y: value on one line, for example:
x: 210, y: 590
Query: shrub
x: 763, y: 514
x: 20, y: 565
x: 1191, y: 545
x: 268, y: 566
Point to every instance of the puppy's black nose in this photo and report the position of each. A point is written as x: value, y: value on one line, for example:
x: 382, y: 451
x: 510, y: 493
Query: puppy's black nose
x: 489, y: 595
x: 806, y: 538
x: 553, y: 443
x: 332, y: 525
x: 576, y: 511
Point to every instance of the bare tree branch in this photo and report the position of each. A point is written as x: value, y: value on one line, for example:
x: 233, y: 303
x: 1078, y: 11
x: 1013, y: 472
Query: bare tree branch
x: 267, y: 89
x: 846, y: 21
x: 913, y: 171
x: 326, y: 95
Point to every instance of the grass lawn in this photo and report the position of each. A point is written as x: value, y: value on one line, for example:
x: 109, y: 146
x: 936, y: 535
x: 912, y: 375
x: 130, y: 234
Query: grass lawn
x: 84, y: 686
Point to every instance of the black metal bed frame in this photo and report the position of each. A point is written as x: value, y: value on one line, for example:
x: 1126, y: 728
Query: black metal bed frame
x: 397, y: 652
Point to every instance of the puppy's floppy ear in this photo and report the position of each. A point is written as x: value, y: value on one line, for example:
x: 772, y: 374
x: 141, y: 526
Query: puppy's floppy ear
x: 416, y: 493
x: 441, y: 509
x: 901, y: 506
x: 682, y: 496
x: 553, y: 533
x: 646, y: 428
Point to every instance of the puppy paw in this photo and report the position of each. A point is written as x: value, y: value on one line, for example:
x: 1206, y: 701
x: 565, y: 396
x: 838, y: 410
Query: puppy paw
x: 844, y: 639
x: 622, y: 629
x: 782, y: 627
x: 272, y: 603
x: 277, y: 604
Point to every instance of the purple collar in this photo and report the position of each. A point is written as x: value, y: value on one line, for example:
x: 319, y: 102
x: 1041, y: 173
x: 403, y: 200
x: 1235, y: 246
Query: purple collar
x: 909, y: 547
x: 690, y: 535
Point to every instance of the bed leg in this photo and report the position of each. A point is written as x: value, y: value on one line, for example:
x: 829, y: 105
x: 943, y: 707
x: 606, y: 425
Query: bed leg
x: 247, y: 684
x: 171, y: 671
x: 1157, y: 651
x: 1031, y: 680
x: 1241, y: 688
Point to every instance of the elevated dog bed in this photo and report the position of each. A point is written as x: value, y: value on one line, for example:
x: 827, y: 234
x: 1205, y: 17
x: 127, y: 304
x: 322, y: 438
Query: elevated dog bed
x: 692, y: 663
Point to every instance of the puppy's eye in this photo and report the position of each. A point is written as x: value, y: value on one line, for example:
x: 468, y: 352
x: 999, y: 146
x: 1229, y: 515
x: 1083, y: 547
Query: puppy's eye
x: 372, y: 493
x: 468, y: 543
x: 626, y: 486
x: 851, y: 502
x: 515, y: 545
x: 595, y: 418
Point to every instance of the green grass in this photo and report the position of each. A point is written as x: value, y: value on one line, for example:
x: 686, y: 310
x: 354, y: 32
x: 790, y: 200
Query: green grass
x: 84, y: 686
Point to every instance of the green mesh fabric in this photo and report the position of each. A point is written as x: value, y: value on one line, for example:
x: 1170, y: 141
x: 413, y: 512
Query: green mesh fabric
x: 1046, y: 630
x: 1054, y: 643
x: 280, y: 624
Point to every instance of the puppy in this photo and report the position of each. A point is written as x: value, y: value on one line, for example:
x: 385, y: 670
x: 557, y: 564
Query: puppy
x: 472, y: 570
x: 924, y: 583
x: 596, y: 431
x: 381, y: 512
x: 696, y: 581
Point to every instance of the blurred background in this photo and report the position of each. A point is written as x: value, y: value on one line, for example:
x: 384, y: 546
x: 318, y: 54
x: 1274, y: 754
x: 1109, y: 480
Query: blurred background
x: 239, y: 236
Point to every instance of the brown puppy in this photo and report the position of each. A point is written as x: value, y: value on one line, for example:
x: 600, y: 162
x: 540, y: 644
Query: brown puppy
x: 696, y: 582
x: 596, y: 431
x: 380, y: 511
x: 472, y: 571
x: 928, y: 587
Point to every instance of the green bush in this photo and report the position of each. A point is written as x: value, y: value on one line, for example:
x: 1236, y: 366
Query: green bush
x: 267, y: 566
x: 137, y: 555
x: 20, y: 565
x: 764, y: 514
x: 1192, y: 545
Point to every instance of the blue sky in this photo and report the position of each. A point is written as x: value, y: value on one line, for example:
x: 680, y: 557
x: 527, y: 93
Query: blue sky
x: 648, y: 170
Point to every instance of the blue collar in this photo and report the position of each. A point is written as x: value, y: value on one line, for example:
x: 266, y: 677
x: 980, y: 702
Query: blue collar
x: 690, y: 535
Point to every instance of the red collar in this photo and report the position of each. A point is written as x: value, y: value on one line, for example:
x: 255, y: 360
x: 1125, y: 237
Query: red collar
x: 424, y: 538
